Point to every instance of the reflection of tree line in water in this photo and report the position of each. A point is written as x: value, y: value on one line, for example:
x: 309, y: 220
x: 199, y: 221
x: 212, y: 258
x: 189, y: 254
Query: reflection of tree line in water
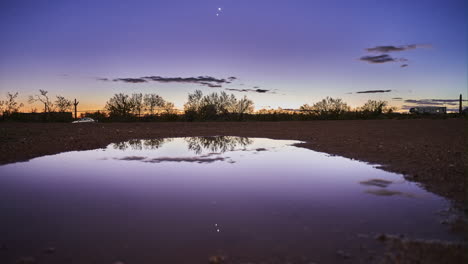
x: 218, y: 144
x: 139, y: 144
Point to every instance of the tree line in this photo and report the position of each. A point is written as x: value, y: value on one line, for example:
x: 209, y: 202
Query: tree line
x: 198, y: 107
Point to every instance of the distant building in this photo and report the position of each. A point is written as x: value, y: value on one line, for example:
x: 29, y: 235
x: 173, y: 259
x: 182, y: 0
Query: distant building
x: 428, y: 110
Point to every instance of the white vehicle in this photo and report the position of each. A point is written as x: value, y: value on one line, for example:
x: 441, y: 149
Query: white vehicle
x: 85, y: 120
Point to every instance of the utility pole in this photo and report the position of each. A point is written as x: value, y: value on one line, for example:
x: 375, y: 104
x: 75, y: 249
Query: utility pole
x: 76, y: 104
x: 461, y: 105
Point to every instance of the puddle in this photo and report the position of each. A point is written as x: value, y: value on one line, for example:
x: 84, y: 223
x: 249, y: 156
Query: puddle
x: 188, y: 200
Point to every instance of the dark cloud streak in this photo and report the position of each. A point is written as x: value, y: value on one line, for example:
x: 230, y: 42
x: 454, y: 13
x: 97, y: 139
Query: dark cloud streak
x: 208, y: 81
x: 249, y: 90
x: 434, y: 102
x: 373, y: 91
x: 381, y: 59
x: 131, y: 80
x: 385, y: 49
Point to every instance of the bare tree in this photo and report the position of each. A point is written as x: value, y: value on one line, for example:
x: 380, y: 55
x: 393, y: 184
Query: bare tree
x: 63, y: 104
x: 328, y: 106
x: 377, y: 107
x: 10, y: 105
x: 152, y: 101
x: 43, y: 98
x: 168, y: 108
x: 137, y: 101
x: 243, y: 106
x: 194, y: 101
x: 2, y: 107
x: 120, y: 105
x: 214, y: 104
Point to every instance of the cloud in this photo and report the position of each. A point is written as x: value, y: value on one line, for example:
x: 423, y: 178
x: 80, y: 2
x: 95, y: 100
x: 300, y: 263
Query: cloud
x: 397, y: 98
x: 385, y: 49
x: 199, y: 79
x: 384, y: 58
x: 211, y: 85
x: 249, y: 90
x: 208, y: 81
x: 381, y: 59
x: 434, y: 102
x: 130, y: 80
x: 374, y: 91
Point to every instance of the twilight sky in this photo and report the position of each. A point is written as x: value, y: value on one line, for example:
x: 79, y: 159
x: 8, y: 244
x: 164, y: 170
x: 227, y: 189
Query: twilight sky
x: 281, y: 53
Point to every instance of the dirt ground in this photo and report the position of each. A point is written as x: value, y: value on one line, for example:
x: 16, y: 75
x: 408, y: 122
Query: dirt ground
x: 432, y: 152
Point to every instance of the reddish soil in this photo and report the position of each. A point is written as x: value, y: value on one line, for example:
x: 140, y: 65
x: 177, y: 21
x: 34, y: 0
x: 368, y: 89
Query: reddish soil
x: 432, y: 152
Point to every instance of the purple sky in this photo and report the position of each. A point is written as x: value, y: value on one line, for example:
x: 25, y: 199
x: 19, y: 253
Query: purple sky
x: 299, y: 50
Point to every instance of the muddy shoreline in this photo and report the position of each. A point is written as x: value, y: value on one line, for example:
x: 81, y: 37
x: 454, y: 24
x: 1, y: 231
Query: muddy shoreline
x: 431, y: 152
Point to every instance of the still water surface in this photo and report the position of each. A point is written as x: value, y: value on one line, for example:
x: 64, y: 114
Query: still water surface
x: 183, y: 200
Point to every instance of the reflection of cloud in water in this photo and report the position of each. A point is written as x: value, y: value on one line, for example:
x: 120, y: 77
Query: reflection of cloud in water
x: 384, y: 192
x: 377, y: 182
x: 200, y: 159
x: 187, y: 159
x: 132, y: 158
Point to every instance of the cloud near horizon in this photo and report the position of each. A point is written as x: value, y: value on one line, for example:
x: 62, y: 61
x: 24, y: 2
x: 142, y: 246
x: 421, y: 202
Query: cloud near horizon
x: 249, y: 90
x: 208, y: 81
x: 374, y: 91
x: 433, y: 102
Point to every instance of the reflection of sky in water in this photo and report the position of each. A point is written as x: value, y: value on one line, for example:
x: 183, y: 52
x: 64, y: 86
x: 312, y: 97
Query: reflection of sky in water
x: 252, y: 193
